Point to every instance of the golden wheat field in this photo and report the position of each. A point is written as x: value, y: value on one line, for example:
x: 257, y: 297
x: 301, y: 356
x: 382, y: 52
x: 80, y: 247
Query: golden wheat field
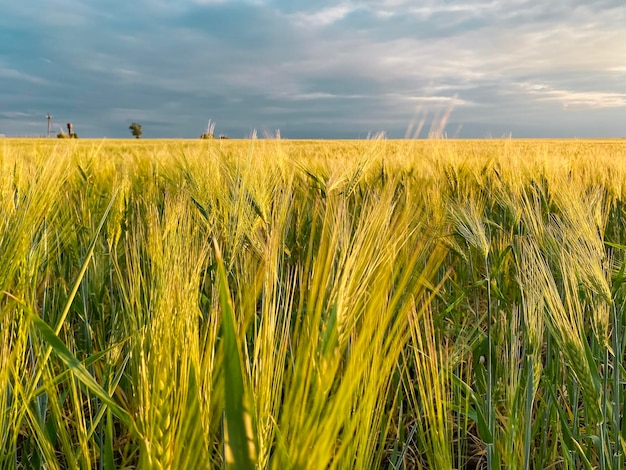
x: 312, y: 304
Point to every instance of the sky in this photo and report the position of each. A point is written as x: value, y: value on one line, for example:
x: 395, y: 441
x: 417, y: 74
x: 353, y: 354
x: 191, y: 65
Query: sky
x: 315, y: 69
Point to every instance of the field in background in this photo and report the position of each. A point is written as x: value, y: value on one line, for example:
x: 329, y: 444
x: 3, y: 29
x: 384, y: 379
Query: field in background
x: 280, y: 304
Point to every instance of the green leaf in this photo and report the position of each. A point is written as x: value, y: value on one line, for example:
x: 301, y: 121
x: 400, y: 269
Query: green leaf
x: 483, y: 426
x: 329, y: 338
x: 201, y: 209
x: 615, y: 245
x: 476, y: 413
x: 79, y: 370
x: 109, y: 460
x: 570, y: 442
x: 72, y: 295
x: 239, y: 445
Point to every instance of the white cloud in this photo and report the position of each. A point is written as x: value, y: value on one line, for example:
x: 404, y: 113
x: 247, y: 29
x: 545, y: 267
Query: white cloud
x: 570, y: 98
x: 13, y: 74
x: 471, y: 8
x: 14, y: 114
x: 431, y: 100
x: 319, y: 95
x: 325, y: 16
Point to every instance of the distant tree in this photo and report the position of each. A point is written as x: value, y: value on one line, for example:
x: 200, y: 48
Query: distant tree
x: 207, y: 135
x: 135, y: 129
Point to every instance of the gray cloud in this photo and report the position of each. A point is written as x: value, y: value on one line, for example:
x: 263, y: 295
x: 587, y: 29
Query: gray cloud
x: 321, y: 69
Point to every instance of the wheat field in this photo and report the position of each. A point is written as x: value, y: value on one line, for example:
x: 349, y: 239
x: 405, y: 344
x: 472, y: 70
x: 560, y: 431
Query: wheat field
x: 312, y: 304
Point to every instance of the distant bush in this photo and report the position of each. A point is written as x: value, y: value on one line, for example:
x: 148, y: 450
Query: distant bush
x: 207, y: 135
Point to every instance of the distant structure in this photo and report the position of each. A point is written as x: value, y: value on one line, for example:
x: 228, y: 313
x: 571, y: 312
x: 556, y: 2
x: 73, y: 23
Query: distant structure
x: 70, y: 132
x: 49, y: 118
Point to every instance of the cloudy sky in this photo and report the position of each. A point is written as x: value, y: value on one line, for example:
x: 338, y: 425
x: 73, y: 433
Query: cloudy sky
x: 315, y: 69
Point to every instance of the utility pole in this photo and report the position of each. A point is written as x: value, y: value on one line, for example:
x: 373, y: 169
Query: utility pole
x: 49, y: 118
